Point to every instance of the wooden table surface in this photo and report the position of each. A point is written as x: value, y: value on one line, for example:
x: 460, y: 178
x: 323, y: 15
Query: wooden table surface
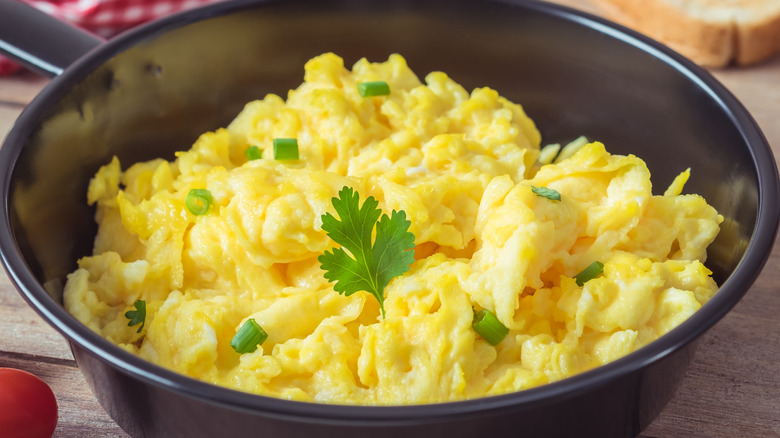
x: 732, y: 388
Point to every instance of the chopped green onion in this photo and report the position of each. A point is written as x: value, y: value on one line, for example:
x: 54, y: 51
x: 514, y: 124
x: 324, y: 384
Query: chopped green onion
x: 376, y: 88
x: 548, y: 153
x: 592, y: 271
x: 544, y: 192
x: 285, y: 149
x: 489, y: 327
x: 248, y: 337
x: 137, y: 316
x: 570, y: 149
x: 198, y: 201
x: 253, y: 153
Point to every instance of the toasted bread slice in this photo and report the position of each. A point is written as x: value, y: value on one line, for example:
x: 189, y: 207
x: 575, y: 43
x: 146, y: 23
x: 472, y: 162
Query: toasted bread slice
x: 713, y: 33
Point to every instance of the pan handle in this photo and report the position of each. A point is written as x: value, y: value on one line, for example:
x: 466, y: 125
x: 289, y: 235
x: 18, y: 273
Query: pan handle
x: 39, y: 41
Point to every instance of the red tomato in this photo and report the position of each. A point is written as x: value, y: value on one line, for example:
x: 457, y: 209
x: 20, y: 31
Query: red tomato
x: 28, y: 408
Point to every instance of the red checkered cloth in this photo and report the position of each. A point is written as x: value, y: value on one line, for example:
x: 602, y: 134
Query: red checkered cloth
x: 105, y: 17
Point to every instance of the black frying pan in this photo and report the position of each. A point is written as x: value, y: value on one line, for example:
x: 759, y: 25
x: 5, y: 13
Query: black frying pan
x: 153, y: 90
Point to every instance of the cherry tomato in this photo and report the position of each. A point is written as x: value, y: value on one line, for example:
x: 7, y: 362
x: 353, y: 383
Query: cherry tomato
x: 28, y: 408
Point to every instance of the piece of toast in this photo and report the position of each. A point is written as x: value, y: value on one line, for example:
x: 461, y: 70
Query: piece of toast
x: 713, y: 33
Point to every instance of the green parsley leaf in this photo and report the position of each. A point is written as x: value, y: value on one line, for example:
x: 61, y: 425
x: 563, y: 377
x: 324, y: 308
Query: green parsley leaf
x: 368, y: 266
x: 546, y: 193
x: 137, y: 316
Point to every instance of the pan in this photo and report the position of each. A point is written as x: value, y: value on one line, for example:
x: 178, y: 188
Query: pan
x: 151, y: 91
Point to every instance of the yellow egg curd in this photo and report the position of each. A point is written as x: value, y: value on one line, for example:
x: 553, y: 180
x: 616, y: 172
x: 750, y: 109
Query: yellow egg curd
x: 463, y: 167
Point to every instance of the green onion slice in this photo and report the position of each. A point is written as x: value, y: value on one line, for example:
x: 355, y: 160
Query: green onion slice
x: 489, y: 327
x: 248, y: 337
x: 570, y: 149
x: 285, y: 149
x: 376, y: 88
x: 137, y: 316
x: 253, y: 153
x: 546, y: 193
x: 198, y: 201
x: 592, y: 271
x: 548, y: 153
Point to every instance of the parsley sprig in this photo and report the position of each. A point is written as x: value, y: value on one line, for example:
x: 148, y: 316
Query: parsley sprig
x: 546, y: 193
x: 137, y: 316
x: 369, y: 266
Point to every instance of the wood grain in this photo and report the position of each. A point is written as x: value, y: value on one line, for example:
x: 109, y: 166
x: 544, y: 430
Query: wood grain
x: 32, y: 345
x: 732, y: 388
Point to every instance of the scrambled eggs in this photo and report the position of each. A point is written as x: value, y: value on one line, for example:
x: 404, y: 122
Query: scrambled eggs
x: 462, y: 166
